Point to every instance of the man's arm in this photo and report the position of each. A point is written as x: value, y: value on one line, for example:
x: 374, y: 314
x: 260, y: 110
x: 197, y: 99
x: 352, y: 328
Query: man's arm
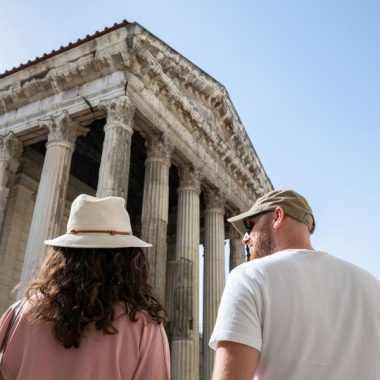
x: 234, y: 361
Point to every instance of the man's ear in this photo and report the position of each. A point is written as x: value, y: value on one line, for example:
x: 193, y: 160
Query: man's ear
x: 278, y: 217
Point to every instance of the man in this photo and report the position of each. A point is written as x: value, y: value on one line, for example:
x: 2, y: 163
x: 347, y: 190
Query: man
x: 294, y: 313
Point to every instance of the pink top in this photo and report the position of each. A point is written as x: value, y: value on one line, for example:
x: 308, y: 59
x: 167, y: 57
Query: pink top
x: 139, y: 351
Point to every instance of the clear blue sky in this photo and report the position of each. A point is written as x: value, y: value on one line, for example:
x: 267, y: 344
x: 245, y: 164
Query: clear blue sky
x: 304, y: 77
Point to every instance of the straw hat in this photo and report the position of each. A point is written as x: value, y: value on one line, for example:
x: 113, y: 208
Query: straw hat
x: 98, y: 223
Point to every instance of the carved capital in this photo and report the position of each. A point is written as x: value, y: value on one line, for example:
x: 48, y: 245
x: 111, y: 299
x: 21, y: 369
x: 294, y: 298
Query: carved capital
x: 215, y: 199
x: 189, y: 176
x: 10, y: 153
x: 120, y: 112
x: 159, y: 147
x: 63, y: 129
x: 10, y: 147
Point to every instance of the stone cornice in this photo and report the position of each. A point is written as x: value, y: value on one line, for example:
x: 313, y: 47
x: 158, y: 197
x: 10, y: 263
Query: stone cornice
x: 70, y: 69
x: 62, y: 49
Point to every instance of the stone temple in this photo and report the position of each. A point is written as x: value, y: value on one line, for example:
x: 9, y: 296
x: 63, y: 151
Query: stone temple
x: 122, y: 113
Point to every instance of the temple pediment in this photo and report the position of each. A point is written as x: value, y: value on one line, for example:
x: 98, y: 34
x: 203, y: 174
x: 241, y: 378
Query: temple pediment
x: 199, y: 100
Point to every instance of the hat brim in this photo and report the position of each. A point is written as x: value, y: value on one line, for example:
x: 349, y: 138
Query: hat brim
x: 97, y: 241
x: 238, y: 220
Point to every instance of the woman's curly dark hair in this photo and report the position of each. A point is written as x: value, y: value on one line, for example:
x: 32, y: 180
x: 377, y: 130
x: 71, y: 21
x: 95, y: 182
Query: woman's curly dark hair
x: 78, y: 286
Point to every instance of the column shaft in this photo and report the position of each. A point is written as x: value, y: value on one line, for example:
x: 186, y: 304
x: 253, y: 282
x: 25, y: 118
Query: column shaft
x: 237, y: 253
x: 214, y: 272
x: 10, y: 153
x: 170, y: 281
x: 155, y: 209
x: 116, y: 153
x: 185, y: 342
x: 51, y: 193
x: 16, y: 227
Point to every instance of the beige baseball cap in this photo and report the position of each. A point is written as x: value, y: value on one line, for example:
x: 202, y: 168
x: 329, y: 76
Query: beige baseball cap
x: 294, y: 205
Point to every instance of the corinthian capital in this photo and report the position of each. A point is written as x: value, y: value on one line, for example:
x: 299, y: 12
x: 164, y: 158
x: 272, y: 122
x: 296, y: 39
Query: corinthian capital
x: 120, y: 112
x: 63, y: 128
x: 214, y: 199
x: 10, y: 153
x: 159, y: 146
x: 189, y: 176
x: 10, y: 146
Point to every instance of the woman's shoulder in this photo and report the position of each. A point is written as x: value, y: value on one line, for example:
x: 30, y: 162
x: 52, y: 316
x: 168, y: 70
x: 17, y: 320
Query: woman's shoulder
x: 14, y: 310
x: 142, y: 316
x: 7, y: 315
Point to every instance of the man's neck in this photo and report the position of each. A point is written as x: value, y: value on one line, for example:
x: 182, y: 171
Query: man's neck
x: 288, y: 244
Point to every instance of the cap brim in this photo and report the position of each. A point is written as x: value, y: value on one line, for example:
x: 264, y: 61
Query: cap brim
x: 238, y: 220
x: 97, y: 241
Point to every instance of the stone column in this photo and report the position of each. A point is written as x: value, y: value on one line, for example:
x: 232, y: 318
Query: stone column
x: 237, y: 249
x: 10, y: 154
x: 51, y: 195
x: 155, y: 208
x: 170, y: 278
x: 185, y: 341
x: 214, y: 271
x: 115, y: 161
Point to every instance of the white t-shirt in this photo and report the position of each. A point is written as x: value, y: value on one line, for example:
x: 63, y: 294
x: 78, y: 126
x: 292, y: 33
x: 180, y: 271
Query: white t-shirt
x: 311, y: 315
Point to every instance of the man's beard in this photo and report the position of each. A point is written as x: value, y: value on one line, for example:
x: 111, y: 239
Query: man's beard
x: 263, y: 244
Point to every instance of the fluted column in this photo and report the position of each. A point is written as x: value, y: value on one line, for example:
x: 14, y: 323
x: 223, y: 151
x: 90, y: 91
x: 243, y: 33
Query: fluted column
x: 170, y: 281
x: 185, y: 341
x: 51, y: 195
x: 214, y: 271
x: 155, y: 209
x: 115, y: 161
x: 10, y: 153
x: 237, y: 249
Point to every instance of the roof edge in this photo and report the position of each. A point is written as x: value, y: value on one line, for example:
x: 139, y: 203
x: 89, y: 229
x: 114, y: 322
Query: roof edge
x: 62, y: 49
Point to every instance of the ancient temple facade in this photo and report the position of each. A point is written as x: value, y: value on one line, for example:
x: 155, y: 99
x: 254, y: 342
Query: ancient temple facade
x: 121, y: 113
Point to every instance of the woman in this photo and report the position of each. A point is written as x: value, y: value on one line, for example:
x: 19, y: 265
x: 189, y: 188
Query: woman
x: 90, y: 312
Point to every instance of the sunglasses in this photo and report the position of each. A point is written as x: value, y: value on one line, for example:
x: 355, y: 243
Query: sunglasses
x: 249, y: 223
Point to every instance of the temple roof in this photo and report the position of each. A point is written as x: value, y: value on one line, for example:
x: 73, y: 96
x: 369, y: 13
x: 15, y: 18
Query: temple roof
x: 62, y: 49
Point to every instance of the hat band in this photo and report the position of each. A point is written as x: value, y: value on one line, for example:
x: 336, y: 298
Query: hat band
x: 111, y: 232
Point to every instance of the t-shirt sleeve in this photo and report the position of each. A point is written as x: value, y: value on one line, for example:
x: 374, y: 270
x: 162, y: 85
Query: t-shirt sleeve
x: 5, y: 321
x: 239, y: 316
x: 154, y: 361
